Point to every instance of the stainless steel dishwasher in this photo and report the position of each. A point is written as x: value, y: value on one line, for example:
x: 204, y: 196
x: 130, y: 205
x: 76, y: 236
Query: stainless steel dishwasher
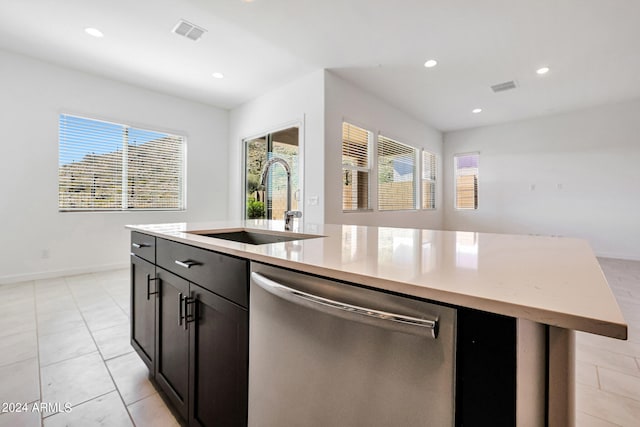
x: 328, y: 354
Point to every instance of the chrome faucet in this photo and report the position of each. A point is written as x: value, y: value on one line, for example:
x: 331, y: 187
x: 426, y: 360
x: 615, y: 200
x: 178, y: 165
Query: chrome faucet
x: 288, y: 214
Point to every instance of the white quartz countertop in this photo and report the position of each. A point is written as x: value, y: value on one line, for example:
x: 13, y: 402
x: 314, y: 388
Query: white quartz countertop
x: 551, y: 280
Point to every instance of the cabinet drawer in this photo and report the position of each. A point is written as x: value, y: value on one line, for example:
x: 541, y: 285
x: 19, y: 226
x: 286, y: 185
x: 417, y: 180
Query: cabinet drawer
x: 143, y: 246
x: 216, y: 272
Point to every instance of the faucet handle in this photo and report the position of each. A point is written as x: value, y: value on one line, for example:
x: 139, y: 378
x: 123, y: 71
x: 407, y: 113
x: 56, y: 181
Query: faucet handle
x: 293, y: 214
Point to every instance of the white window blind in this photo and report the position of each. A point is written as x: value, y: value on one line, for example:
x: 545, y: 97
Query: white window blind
x: 466, y: 180
x: 396, y: 175
x: 428, y: 180
x: 109, y: 166
x: 356, y: 168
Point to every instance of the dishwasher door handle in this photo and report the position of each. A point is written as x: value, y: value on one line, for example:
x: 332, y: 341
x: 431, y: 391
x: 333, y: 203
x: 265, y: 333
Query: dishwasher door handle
x: 398, y: 322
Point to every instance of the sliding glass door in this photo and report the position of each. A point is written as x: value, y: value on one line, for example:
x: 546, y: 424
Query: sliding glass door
x: 269, y: 201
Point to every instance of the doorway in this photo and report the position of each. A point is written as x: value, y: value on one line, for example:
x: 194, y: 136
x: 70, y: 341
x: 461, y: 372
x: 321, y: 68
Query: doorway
x: 270, y: 201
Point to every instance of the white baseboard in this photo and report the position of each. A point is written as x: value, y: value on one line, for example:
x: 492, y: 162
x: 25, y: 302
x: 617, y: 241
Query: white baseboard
x: 60, y: 273
x: 618, y: 256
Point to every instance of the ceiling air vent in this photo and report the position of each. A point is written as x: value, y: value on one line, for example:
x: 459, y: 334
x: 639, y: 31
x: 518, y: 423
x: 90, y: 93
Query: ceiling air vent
x: 189, y: 30
x: 501, y: 87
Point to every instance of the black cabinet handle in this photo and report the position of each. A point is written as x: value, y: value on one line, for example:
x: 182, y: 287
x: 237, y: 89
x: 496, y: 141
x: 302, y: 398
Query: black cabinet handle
x: 140, y: 245
x: 180, y: 316
x: 149, y: 293
x: 184, y: 318
x: 188, y: 318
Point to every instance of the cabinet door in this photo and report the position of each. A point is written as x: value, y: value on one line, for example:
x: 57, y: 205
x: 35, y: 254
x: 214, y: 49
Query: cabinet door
x: 219, y: 360
x: 172, y: 342
x: 143, y: 310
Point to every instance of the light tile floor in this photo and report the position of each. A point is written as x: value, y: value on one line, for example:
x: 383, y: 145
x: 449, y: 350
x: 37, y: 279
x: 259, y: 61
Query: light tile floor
x: 66, y: 341
x: 608, y: 370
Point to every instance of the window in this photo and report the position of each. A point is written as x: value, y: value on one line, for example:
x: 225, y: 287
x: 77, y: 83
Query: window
x: 108, y: 166
x: 396, y: 175
x: 356, y: 167
x: 428, y: 180
x: 466, y: 180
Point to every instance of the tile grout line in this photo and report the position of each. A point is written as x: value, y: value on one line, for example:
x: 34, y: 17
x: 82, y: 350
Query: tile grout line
x: 617, y: 370
x: 143, y: 398
x: 602, y: 419
x: 81, y: 403
x: 599, y: 347
x: 126, y: 408
x: 42, y: 415
x: 70, y: 358
x: 613, y: 393
x: 118, y: 355
x: 35, y: 307
x: 72, y: 294
x: 122, y: 355
x: 75, y: 301
x: 114, y: 300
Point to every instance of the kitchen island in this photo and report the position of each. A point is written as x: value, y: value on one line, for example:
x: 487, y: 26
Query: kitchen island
x: 550, y: 286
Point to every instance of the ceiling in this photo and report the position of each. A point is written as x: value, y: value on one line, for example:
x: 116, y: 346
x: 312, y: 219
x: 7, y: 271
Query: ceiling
x: 591, y: 46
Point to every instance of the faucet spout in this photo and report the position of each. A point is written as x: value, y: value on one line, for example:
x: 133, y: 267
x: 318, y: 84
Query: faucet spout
x: 288, y: 214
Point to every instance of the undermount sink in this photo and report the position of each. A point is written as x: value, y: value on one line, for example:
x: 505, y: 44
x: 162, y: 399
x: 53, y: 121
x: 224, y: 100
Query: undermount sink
x: 255, y: 237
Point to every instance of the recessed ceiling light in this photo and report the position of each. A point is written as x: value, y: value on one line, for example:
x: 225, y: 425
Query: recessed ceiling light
x: 431, y: 63
x: 476, y: 110
x: 543, y: 70
x: 218, y: 75
x: 94, y: 32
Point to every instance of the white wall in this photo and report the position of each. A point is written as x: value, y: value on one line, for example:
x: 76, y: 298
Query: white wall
x: 583, y: 166
x: 345, y: 102
x: 300, y: 101
x: 32, y: 95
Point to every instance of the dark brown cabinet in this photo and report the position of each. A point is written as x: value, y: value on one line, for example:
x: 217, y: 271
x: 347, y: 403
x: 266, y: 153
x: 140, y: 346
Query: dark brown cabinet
x: 172, y: 343
x: 221, y: 274
x: 143, y: 310
x: 196, y: 337
x: 219, y: 360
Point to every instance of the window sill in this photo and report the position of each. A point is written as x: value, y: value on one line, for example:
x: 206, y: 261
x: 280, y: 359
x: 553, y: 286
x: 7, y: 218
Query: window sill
x: 117, y: 210
x: 357, y: 210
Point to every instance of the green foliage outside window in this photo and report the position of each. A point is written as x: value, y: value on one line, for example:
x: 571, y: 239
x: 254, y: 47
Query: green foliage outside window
x: 255, y: 209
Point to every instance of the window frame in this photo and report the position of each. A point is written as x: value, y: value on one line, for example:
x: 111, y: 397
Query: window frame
x: 416, y: 171
x: 433, y: 179
x: 298, y: 195
x: 124, y: 200
x: 477, y: 181
x: 368, y: 169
